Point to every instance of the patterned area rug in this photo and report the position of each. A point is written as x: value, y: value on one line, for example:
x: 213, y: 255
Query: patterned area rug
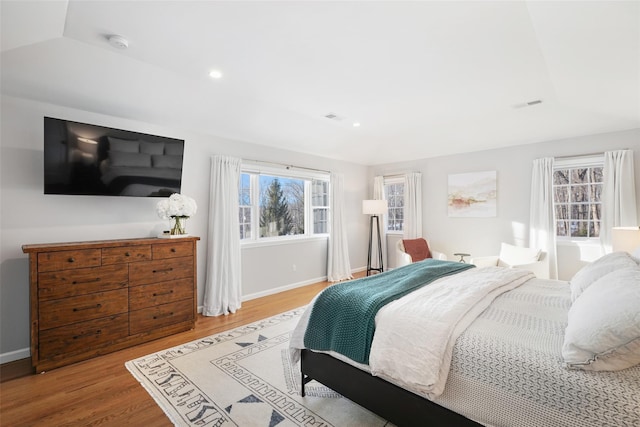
x: 243, y: 377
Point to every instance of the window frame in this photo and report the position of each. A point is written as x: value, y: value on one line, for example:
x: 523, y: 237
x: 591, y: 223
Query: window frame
x: 394, y: 181
x: 308, y: 176
x: 582, y: 162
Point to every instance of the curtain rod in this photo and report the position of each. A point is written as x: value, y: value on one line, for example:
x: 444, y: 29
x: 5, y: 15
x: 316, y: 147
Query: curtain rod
x: 601, y: 153
x: 286, y: 166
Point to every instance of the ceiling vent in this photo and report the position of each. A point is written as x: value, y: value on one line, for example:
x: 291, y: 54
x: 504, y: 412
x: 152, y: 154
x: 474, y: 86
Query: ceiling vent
x: 333, y: 116
x: 528, y: 104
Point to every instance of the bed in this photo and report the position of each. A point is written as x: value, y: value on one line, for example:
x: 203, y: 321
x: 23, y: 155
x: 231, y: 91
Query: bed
x: 142, y: 168
x: 522, y: 352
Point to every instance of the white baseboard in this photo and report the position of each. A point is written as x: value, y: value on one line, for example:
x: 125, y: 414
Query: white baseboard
x: 287, y: 287
x: 292, y: 286
x: 11, y: 356
x: 283, y: 288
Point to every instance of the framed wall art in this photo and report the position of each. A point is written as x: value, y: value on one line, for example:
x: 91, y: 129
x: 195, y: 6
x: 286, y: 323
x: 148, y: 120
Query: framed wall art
x: 472, y: 195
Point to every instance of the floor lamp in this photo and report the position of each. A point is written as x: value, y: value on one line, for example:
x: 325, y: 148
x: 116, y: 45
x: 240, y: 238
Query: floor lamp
x: 374, y: 208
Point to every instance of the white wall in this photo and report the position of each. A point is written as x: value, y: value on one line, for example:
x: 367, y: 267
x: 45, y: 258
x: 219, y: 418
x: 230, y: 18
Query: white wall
x: 28, y: 216
x: 482, y: 236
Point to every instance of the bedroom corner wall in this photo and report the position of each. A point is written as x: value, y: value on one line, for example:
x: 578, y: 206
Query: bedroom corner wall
x: 482, y: 236
x: 28, y: 216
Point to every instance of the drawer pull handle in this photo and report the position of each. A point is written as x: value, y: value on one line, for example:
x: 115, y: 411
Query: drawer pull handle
x: 71, y: 259
x: 88, y: 334
x: 97, y: 279
x: 160, y: 316
x: 157, y: 294
x: 91, y: 307
x: 127, y: 254
x: 164, y: 270
x: 173, y: 249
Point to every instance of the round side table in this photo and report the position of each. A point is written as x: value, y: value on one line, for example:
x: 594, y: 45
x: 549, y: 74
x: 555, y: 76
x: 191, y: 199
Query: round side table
x: 461, y: 255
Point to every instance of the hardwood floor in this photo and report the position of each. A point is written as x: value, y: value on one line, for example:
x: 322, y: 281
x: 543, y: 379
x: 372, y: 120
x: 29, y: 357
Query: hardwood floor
x: 101, y: 391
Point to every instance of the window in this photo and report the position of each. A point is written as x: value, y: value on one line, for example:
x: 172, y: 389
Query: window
x: 320, y: 206
x: 274, y: 205
x: 394, y: 193
x: 577, y: 190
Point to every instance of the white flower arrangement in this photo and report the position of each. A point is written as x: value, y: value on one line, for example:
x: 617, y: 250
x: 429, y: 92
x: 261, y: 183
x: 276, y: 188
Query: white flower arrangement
x: 177, y: 207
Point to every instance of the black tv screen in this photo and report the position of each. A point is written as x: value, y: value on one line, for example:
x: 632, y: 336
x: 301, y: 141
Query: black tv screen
x: 85, y: 159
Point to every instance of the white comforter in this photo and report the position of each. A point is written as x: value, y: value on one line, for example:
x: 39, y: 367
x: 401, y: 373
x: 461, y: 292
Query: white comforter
x: 414, y: 337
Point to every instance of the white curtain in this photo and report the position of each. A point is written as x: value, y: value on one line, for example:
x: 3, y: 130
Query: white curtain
x: 618, y: 194
x: 222, y: 292
x: 378, y: 194
x: 338, y: 265
x: 542, y: 230
x: 412, y: 226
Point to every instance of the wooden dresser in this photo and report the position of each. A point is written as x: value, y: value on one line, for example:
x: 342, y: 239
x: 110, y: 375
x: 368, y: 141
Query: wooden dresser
x: 92, y: 298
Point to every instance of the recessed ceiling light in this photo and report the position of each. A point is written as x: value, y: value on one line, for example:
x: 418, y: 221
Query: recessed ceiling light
x: 356, y: 125
x: 215, y: 74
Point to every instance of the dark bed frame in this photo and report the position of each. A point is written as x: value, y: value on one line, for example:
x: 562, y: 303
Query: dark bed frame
x: 395, y: 404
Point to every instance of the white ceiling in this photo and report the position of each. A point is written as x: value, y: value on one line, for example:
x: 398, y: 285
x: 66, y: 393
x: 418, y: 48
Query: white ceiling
x: 424, y: 78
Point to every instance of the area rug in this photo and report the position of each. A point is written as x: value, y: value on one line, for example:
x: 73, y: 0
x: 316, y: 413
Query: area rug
x: 243, y: 377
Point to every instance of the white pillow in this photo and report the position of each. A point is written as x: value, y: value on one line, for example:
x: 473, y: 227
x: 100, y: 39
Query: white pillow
x: 173, y: 148
x: 168, y: 161
x: 598, y: 268
x: 120, y: 159
x: 123, y: 145
x: 516, y: 255
x: 151, y: 147
x: 603, y: 331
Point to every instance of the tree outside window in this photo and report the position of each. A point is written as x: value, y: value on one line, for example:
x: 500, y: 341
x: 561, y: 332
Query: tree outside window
x: 275, y: 218
x: 320, y: 206
x: 280, y: 206
x: 577, y: 201
x: 394, y: 193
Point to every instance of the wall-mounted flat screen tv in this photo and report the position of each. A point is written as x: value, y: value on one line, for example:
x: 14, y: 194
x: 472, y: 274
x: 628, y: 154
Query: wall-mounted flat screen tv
x: 86, y: 159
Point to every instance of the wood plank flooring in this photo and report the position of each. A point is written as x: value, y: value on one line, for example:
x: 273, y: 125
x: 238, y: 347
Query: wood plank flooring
x: 101, y: 391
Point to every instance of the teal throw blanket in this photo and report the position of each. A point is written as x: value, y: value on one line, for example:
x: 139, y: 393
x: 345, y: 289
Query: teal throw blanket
x: 343, y: 316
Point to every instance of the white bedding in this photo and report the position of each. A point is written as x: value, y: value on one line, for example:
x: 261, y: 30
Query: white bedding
x: 111, y: 173
x: 421, y: 328
x: 507, y: 368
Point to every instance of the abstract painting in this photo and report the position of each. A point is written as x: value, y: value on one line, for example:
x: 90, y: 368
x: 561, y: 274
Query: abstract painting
x: 472, y: 195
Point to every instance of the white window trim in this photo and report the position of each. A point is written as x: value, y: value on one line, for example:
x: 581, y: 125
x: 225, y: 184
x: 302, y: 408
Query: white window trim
x: 255, y: 170
x: 391, y: 181
x: 596, y: 160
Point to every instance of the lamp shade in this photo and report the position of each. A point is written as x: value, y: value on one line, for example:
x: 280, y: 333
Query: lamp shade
x: 625, y: 239
x: 374, y: 207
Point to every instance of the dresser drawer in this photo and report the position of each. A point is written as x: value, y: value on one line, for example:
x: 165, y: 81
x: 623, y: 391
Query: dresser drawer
x: 83, y: 336
x: 172, y: 250
x: 151, y: 318
x: 83, y: 296
x: 126, y: 254
x: 160, y: 271
x: 161, y: 293
x: 68, y: 283
x: 65, y: 260
x: 60, y: 312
